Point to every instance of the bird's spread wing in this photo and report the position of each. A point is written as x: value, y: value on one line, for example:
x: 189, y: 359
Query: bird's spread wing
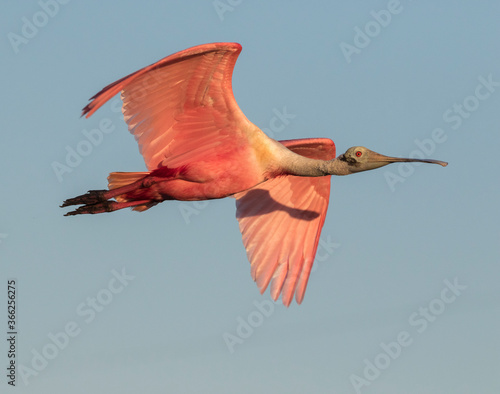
x: 281, y: 221
x: 182, y: 107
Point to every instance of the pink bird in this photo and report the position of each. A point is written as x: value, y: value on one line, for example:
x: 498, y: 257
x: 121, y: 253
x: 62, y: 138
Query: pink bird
x: 198, y: 145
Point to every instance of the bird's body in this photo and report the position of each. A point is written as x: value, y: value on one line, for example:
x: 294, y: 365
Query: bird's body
x: 198, y: 145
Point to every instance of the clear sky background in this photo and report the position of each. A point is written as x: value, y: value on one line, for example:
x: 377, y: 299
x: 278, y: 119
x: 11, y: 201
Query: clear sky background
x: 408, y: 254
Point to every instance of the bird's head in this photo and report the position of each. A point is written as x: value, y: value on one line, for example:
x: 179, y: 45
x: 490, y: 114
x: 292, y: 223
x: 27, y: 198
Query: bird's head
x: 359, y: 158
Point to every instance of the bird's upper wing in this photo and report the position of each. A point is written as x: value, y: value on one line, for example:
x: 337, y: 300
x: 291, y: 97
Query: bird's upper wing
x: 182, y: 107
x: 281, y: 221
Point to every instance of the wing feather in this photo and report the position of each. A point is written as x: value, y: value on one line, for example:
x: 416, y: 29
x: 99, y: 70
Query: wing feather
x: 182, y: 106
x: 281, y: 221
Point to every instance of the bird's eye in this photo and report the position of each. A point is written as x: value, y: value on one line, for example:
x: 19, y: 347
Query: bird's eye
x: 358, y: 153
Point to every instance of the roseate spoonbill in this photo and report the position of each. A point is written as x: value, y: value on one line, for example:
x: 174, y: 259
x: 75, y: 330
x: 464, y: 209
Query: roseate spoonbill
x: 198, y: 145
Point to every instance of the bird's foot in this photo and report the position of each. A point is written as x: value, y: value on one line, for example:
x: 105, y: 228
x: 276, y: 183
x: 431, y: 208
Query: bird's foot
x: 91, y: 197
x: 105, y: 206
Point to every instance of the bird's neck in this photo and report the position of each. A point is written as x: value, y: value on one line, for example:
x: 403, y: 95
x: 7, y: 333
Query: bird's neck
x: 337, y: 167
x: 303, y: 166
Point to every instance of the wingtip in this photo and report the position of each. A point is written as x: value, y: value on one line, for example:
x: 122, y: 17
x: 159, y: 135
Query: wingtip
x: 84, y: 113
x: 287, y: 302
x: 87, y: 110
x: 286, y: 299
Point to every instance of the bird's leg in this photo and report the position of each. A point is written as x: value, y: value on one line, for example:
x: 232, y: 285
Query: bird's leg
x: 105, y: 206
x: 96, y: 196
x: 99, y: 201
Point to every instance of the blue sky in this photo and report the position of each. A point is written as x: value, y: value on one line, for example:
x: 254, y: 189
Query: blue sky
x: 404, y: 295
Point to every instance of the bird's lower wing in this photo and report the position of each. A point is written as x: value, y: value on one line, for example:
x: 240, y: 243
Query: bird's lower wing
x: 281, y: 221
